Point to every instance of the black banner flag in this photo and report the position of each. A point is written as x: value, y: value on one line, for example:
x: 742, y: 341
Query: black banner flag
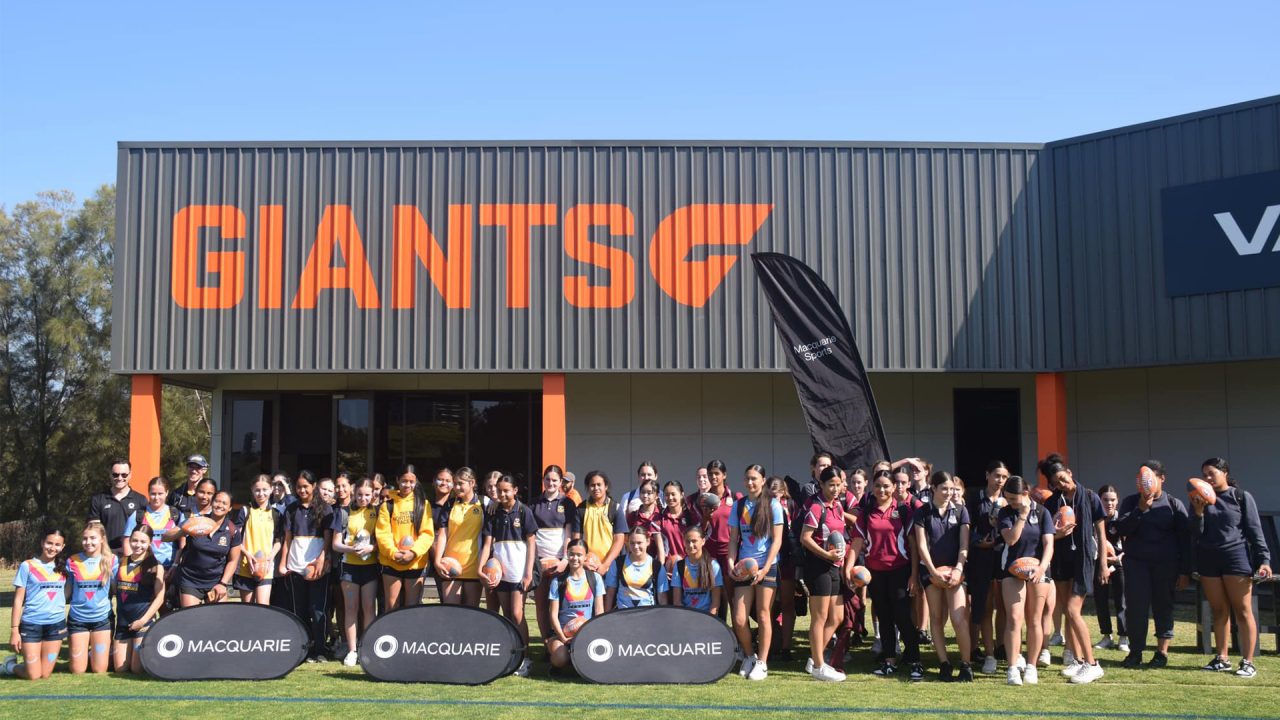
x: 825, y: 364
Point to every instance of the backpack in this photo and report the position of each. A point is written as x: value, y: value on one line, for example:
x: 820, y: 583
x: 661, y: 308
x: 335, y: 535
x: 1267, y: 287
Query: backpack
x: 621, y: 562
x: 559, y: 581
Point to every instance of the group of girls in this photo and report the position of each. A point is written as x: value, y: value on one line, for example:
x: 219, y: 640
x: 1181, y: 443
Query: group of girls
x: 921, y: 556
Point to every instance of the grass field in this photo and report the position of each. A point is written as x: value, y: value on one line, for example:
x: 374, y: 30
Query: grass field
x: 331, y: 690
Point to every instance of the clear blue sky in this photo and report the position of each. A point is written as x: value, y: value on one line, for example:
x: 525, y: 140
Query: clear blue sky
x: 78, y: 77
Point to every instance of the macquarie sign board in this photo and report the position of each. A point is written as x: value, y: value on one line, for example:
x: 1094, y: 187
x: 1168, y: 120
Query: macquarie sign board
x: 661, y: 644
x: 225, y: 641
x: 1222, y: 235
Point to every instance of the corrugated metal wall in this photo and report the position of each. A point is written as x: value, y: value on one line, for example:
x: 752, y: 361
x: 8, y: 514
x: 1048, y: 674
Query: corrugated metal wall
x: 934, y: 251
x: 1108, y: 307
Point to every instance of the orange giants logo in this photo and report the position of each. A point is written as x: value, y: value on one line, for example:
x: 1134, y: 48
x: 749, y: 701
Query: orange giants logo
x: 337, y: 261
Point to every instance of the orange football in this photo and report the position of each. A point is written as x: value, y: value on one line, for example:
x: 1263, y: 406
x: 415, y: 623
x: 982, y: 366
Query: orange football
x: 199, y: 526
x: 1201, y: 489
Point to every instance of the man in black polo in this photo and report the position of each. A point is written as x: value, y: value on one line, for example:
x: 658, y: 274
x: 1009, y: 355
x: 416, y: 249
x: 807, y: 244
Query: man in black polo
x: 184, y: 498
x: 119, y: 507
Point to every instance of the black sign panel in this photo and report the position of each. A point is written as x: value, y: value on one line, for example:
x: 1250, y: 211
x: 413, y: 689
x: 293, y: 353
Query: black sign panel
x: 1222, y: 235
x: 226, y: 641
x: 451, y: 644
x: 663, y: 644
x: 826, y: 366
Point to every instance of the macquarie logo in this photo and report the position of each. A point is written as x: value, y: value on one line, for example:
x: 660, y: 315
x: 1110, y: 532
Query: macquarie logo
x: 172, y: 645
x: 602, y: 650
x: 388, y: 646
x: 1222, y: 235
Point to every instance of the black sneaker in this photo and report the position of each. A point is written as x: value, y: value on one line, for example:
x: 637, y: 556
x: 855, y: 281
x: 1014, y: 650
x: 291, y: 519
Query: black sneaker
x: 1001, y: 655
x: 1133, y: 661
x: 917, y: 672
x: 1247, y: 670
x: 1157, y: 661
x: 1218, y: 664
x: 925, y: 637
x: 886, y: 669
x: 966, y: 673
x: 945, y: 672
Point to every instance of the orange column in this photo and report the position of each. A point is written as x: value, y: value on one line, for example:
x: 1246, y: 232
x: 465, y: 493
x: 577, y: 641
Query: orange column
x: 144, y: 430
x: 1051, y: 414
x: 553, y: 420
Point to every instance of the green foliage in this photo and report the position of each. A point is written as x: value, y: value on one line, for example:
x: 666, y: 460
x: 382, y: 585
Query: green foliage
x: 63, y: 416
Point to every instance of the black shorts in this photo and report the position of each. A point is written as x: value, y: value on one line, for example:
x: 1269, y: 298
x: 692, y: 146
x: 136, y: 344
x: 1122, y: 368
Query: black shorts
x: 359, y: 574
x: 35, y: 632
x: 1216, y: 563
x: 822, y: 581
x: 200, y: 593
x: 1063, y: 568
x: 244, y: 583
x: 126, y: 618
x: 78, y: 626
x: 411, y: 574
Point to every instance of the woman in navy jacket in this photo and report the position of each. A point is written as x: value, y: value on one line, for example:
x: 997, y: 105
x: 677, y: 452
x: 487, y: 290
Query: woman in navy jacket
x: 1230, y: 552
x: 1156, y: 558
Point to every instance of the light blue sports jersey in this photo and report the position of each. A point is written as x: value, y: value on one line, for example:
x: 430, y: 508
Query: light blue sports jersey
x: 46, y: 601
x: 90, y: 580
x: 694, y: 593
x: 578, y: 597
x: 635, y: 583
x: 750, y: 546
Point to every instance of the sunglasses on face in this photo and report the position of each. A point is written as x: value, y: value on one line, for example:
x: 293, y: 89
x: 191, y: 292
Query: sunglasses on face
x: 119, y: 475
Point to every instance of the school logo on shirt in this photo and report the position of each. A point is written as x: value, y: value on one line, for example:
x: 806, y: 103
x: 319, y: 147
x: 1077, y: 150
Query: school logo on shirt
x: 515, y: 523
x: 222, y: 541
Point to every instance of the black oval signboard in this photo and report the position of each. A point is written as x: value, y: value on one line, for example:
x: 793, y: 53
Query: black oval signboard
x: 226, y: 641
x: 663, y: 644
x: 452, y: 644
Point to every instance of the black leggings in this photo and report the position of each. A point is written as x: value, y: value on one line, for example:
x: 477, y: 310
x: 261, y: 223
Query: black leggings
x: 311, y: 605
x: 1107, y: 598
x: 892, y: 607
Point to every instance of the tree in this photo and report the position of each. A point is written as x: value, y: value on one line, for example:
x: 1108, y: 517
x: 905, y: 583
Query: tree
x: 63, y: 415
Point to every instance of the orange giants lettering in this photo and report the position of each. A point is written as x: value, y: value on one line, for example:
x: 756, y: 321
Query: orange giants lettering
x: 210, y: 253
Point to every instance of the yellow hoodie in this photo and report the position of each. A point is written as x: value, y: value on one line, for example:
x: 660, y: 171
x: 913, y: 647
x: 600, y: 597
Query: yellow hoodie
x: 395, y: 525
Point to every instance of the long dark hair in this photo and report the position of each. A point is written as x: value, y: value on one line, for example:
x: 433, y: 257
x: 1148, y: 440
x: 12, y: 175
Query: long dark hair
x: 705, y: 572
x: 319, y: 509
x: 762, y: 517
x: 1052, y: 465
x: 59, y: 560
x: 1223, y: 465
x: 149, y: 559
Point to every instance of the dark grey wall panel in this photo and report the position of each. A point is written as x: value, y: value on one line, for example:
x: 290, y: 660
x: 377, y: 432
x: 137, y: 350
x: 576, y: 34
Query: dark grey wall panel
x: 934, y: 251
x: 1106, y: 304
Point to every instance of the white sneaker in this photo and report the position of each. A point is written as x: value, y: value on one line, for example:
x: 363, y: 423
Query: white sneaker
x: 1045, y: 659
x: 351, y: 659
x: 1020, y: 663
x: 1106, y: 643
x: 1056, y: 639
x: 1031, y: 676
x: 760, y: 671
x: 1069, y: 657
x: 1124, y: 644
x: 1072, y: 670
x: 989, y: 665
x: 808, y: 666
x: 748, y: 663
x: 523, y: 670
x: 826, y: 673
x: 1014, y: 677
x: 1087, y: 674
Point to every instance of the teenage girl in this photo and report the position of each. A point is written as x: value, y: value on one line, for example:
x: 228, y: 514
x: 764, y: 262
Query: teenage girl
x: 460, y: 538
x: 209, y: 561
x: 89, y: 621
x: 755, y: 532
x: 512, y: 539
x: 697, y: 582
x: 882, y: 530
x: 139, y: 589
x: 263, y: 530
x: 557, y: 523
x: 441, y: 496
x: 941, y: 530
x: 1230, y: 552
x: 405, y: 533
x: 823, y: 520
x: 39, y: 611
x: 1026, y: 528
x: 633, y: 579
x: 359, y: 569
x: 678, y: 516
x: 980, y: 576
x: 491, y: 484
x: 205, y: 490
x: 304, y: 560
x: 785, y: 598
x: 599, y: 514
x: 575, y: 593
x: 1078, y: 557
x: 164, y: 521
x: 716, y: 522
x: 1109, y: 598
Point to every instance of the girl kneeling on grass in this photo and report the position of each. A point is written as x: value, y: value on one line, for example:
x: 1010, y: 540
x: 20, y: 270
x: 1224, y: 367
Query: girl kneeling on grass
x: 39, y: 610
x: 139, y: 588
x: 696, y: 582
x: 1027, y: 530
x: 574, y: 596
x: 942, y: 539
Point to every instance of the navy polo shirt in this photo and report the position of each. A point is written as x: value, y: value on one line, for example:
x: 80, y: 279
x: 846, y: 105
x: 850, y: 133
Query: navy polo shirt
x: 942, y: 531
x: 1030, y: 544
